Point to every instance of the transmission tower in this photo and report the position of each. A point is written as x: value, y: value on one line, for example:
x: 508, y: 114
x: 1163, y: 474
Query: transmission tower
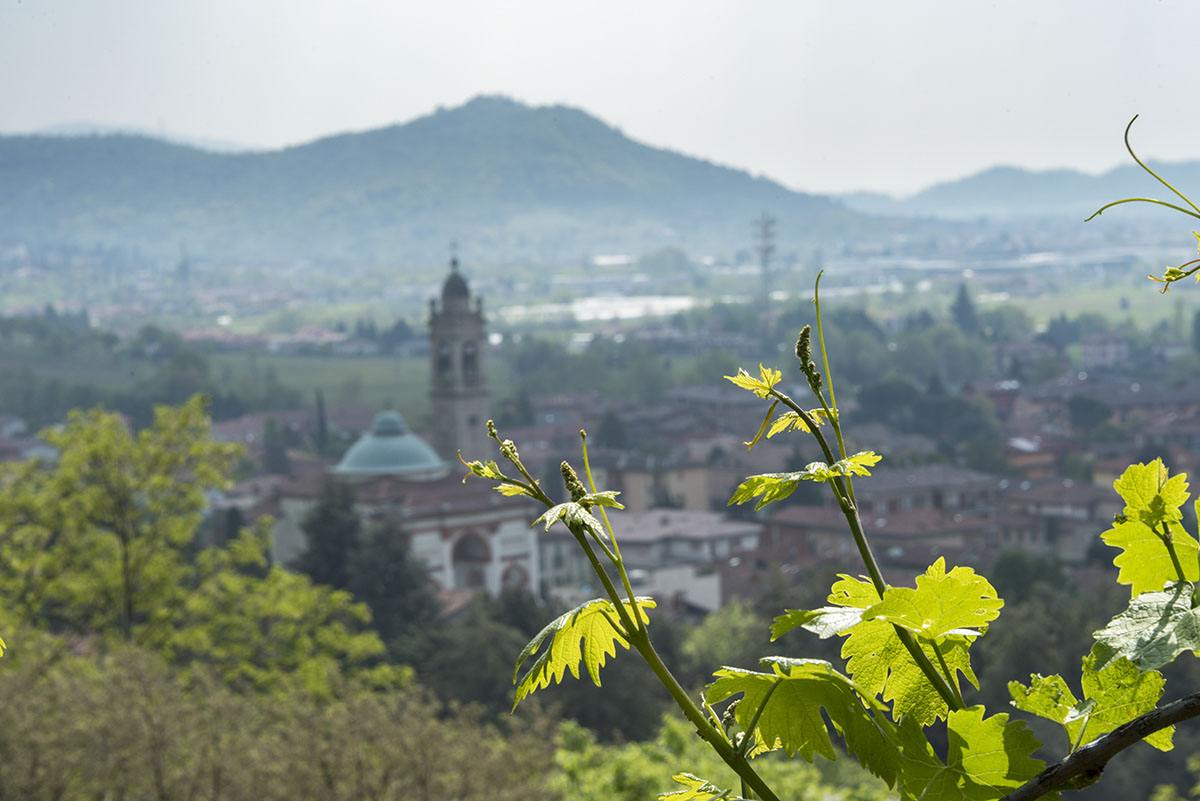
x: 764, y: 231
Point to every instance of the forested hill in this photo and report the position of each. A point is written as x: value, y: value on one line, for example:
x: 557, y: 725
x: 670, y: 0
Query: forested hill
x: 1008, y: 192
x: 513, y: 180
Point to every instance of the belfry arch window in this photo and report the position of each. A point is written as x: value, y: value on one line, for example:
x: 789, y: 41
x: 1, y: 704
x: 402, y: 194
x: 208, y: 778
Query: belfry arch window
x: 470, y: 363
x: 444, y: 362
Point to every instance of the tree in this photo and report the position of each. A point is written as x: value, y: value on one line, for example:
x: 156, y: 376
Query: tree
x: 732, y: 635
x: 331, y: 533
x: 321, y: 433
x: 386, y: 576
x: 963, y: 311
x: 101, y: 537
x: 262, y: 627
x: 275, y: 455
x: 79, y: 727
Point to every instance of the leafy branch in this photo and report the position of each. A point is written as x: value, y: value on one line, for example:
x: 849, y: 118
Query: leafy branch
x: 1084, y: 765
x: 906, y: 649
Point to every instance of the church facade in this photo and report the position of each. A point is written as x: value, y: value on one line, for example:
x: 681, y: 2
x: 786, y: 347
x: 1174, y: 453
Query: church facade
x: 471, y: 538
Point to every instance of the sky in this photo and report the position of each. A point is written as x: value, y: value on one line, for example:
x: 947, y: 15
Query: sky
x: 827, y: 96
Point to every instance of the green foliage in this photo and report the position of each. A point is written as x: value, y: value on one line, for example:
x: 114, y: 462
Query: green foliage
x: 946, y: 611
x: 905, y: 648
x: 694, y: 789
x: 589, y: 633
x: 1113, y: 694
x: 956, y: 604
x: 633, y: 771
x: 122, y: 724
x: 772, y: 487
x: 731, y: 635
x: 768, y: 377
x: 782, y: 709
x: 263, y: 627
x: 1152, y: 505
x: 987, y: 757
x: 1156, y: 628
x: 101, y: 537
x: 104, y: 544
x: 331, y: 533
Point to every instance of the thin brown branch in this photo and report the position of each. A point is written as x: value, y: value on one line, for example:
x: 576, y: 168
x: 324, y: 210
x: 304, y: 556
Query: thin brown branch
x: 1089, y: 761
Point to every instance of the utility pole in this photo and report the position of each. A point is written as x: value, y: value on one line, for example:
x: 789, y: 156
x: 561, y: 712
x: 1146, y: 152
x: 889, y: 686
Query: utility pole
x: 764, y: 229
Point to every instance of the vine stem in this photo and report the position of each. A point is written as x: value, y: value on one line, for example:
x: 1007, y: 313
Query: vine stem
x: 639, y: 639
x: 1169, y: 541
x: 850, y: 512
x: 1088, y: 761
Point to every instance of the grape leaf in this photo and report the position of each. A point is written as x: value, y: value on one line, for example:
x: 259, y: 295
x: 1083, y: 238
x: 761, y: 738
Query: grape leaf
x: 1154, y: 629
x: 571, y: 514
x: 489, y: 469
x: 1151, y: 494
x: 986, y: 758
x: 1121, y: 692
x: 695, y: 789
x: 794, y: 692
x: 791, y: 421
x: 777, y: 486
x: 881, y: 665
x: 584, y: 634
x: 1114, y: 694
x: 1153, y: 499
x: 761, y: 386
x: 958, y: 603
x: 1144, y: 562
x: 824, y: 622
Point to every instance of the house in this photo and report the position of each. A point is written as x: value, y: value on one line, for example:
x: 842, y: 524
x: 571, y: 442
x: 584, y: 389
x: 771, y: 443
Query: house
x: 671, y: 554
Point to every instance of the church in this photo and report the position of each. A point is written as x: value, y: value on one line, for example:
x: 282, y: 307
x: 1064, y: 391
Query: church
x: 471, y: 538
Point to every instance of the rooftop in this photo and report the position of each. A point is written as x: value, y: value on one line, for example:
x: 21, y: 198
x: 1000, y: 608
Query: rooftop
x: 391, y: 449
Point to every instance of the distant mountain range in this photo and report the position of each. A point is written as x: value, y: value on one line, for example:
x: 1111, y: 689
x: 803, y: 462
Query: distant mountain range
x: 1013, y: 192
x: 508, y: 181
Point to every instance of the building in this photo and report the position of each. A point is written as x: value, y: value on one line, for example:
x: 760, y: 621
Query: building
x: 671, y: 554
x: 457, y: 339
x: 470, y: 537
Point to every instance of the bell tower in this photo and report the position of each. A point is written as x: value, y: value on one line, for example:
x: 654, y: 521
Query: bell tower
x: 458, y: 341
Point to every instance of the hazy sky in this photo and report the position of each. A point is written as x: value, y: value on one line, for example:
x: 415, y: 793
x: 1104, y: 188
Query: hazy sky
x: 830, y: 95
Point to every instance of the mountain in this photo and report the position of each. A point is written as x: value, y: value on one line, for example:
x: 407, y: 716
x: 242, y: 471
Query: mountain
x: 1013, y: 192
x: 507, y: 180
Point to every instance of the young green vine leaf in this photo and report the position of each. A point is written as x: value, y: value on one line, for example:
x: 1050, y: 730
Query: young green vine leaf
x: 1153, y: 498
x: 1114, y: 693
x: 695, y: 789
x: 1154, y: 629
x: 768, y: 377
x: 570, y: 514
x: 985, y: 758
x: 584, y: 634
x: 772, y: 487
x: 876, y: 658
x: 784, y: 706
x: 958, y: 603
x: 792, y: 421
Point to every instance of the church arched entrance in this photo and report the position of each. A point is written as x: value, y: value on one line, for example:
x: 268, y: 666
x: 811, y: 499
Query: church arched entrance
x: 470, y: 558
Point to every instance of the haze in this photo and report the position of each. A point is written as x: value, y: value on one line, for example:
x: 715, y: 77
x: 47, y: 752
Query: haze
x: 821, y: 96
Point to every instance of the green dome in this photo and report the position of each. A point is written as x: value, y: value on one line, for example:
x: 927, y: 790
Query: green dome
x: 391, y: 449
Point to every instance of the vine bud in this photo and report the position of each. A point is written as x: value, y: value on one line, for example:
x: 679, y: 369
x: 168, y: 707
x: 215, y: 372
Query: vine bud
x: 804, y: 354
x: 571, y: 482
